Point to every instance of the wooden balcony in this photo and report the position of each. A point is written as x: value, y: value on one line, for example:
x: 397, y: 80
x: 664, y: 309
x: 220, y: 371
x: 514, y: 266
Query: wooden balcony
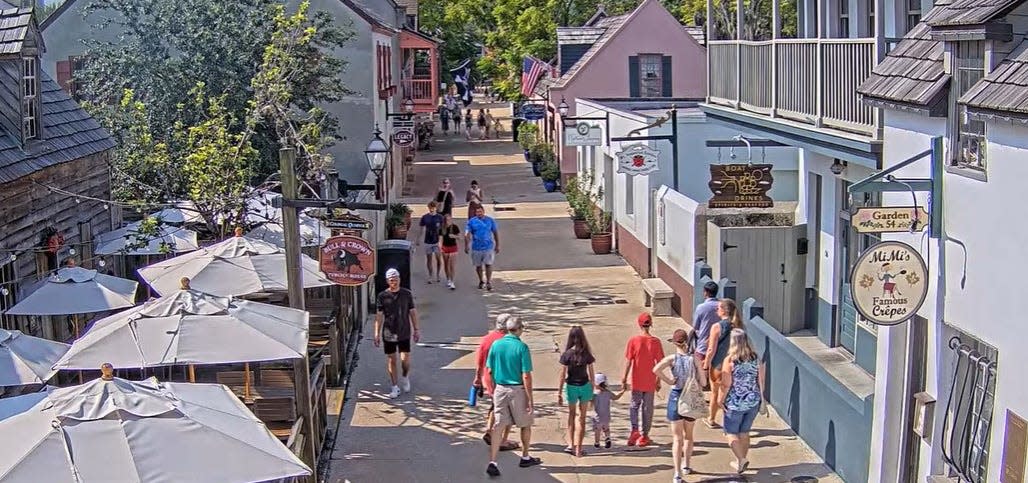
x: 811, y: 81
x: 424, y: 93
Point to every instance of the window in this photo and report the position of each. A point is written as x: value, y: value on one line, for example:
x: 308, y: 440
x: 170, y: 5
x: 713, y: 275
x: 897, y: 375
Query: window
x: 969, y: 407
x: 913, y: 13
x: 968, y: 143
x: 30, y: 99
x: 871, y: 17
x: 629, y: 194
x: 8, y: 290
x: 651, y: 76
x: 844, y: 18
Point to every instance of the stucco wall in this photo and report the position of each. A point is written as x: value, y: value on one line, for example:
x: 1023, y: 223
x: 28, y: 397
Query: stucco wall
x: 63, y: 36
x: 633, y: 251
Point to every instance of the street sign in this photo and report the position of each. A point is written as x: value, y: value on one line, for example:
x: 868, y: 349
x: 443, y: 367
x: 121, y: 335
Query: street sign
x: 583, y: 134
x: 359, y: 225
x: 740, y: 186
x: 403, y: 133
x: 638, y: 159
x: 533, y: 112
x: 890, y: 219
x: 889, y: 283
x: 348, y: 260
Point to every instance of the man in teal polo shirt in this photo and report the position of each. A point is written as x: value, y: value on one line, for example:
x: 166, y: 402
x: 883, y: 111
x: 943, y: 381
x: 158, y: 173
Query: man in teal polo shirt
x: 510, y: 365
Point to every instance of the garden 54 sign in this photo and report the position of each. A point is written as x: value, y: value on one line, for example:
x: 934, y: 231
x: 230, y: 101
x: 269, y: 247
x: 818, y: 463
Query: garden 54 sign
x: 889, y: 283
x: 348, y: 260
x: 638, y: 159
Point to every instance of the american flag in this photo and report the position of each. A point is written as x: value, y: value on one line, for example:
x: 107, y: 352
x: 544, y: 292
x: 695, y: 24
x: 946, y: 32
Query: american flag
x: 531, y: 71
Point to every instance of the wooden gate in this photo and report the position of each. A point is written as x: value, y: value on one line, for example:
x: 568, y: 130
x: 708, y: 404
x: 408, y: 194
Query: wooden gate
x: 765, y: 263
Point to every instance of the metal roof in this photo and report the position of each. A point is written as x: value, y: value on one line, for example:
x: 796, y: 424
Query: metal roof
x: 1005, y: 88
x: 69, y: 133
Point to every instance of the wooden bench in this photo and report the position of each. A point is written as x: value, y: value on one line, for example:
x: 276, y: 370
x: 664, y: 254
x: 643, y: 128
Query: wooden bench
x: 234, y: 378
x: 278, y: 414
x: 658, y: 296
x: 277, y: 378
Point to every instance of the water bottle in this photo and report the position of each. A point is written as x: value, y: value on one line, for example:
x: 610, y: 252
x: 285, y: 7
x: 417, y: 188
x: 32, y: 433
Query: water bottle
x: 473, y: 396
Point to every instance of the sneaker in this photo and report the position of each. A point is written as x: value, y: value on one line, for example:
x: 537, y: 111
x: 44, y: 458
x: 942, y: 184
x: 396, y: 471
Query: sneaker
x: 686, y: 470
x: 395, y: 393
x: 633, y: 438
x: 743, y: 466
x: 428, y: 281
x: 451, y: 285
x: 596, y: 445
x: 677, y: 479
x: 643, y: 441
x: 492, y: 469
x: 489, y: 287
x: 481, y: 285
x: 437, y: 279
x: 405, y: 384
x: 606, y: 444
x: 529, y: 461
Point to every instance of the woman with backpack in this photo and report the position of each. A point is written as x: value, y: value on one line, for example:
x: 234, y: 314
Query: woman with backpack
x: 685, y: 400
x: 717, y: 350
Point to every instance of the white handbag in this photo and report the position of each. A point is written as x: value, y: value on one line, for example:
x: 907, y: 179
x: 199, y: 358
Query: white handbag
x: 690, y: 402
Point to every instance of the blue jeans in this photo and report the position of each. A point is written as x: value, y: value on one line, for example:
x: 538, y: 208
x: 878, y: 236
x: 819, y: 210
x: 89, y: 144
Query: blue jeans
x: 739, y: 422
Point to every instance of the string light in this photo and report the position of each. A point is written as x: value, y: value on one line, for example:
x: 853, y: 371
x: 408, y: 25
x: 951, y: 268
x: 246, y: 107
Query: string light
x: 71, y: 251
x: 4, y: 291
x: 101, y: 263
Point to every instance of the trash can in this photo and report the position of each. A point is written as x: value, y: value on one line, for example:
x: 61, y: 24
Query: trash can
x: 392, y: 254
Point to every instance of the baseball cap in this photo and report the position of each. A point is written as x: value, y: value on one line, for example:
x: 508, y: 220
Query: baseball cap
x: 710, y: 287
x: 679, y: 337
x: 600, y: 379
x: 392, y: 273
x: 645, y: 320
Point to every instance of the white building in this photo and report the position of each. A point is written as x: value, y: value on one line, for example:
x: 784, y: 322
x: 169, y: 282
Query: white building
x: 962, y: 72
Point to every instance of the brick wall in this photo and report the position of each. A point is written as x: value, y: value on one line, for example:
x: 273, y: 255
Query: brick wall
x: 633, y: 251
x: 682, y: 301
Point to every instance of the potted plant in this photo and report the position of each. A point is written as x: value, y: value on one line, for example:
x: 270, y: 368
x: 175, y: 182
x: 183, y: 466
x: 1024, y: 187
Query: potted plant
x: 599, y: 227
x: 577, y: 191
x: 541, y: 152
x: 398, y: 221
x: 527, y: 133
x: 550, y: 173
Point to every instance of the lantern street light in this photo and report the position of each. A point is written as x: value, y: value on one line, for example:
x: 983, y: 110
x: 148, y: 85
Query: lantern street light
x: 377, y: 152
x: 563, y: 108
x: 408, y: 105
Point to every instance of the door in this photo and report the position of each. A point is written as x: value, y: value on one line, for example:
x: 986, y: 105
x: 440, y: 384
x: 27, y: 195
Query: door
x: 765, y: 264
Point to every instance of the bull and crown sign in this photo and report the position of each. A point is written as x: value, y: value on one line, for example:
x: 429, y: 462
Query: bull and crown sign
x: 889, y: 283
x: 347, y: 260
x: 740, y: 186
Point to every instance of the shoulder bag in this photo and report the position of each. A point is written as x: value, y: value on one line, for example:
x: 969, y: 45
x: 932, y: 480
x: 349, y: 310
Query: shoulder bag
x: 690, y: 402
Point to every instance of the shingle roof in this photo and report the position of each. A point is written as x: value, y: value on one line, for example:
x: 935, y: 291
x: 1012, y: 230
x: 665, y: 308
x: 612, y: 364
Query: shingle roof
x: 14, y: 27
x: 912, y: 73
x: 1005, y: 88
x: 578, y: 35
x: 970, y: 12
x: 69, y: 133
x: 610, y: 26
x: 369, y: 16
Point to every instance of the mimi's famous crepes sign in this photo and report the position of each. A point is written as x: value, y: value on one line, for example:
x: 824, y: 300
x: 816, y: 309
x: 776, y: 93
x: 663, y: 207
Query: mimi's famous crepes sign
x: 889, y: 283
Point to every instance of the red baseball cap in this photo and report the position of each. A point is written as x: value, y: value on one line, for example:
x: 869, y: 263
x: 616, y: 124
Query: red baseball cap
x: 645, y: 320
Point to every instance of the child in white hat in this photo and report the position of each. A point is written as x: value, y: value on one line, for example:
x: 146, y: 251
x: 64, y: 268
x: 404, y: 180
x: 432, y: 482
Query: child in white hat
x: 602, y: 397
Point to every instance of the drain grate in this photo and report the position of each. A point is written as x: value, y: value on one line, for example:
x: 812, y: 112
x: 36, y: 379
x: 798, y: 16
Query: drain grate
x: 602, y: 300
x: 505, y: 208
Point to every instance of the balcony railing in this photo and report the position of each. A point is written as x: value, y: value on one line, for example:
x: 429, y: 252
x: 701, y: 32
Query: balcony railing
x: 422, y: 91
x: 812, y: 81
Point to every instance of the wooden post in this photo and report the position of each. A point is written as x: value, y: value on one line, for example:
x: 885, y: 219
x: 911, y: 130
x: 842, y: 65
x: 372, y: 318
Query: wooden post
x: 301, y: 366
x: 192, y: 373
x: 246, y: 381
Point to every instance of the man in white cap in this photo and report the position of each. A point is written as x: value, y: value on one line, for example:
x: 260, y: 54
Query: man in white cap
x: 396, y: 324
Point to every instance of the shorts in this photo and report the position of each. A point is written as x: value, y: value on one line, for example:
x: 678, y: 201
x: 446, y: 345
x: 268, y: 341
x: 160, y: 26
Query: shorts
x: 483, y: 257
x: 431, y: 249
x: 740, y: 422
x: 576, y: 394
x: 601, y: 424
x: 510, y: 405
x: 392, y: 347
x: 672, y: 406
x: 449, y: 250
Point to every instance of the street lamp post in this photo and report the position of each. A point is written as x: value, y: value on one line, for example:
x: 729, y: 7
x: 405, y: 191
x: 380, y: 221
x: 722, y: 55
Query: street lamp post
x: 377, y: 154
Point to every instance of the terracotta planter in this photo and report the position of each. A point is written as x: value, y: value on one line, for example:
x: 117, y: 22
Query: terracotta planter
x: 406, y: 221
x: 602, y: 243
x: 398, y: 233
x: 582, y: 229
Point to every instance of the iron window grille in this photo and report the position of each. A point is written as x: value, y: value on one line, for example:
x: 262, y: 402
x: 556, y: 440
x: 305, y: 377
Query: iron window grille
x: 969, y: 408
x: 968, y: 69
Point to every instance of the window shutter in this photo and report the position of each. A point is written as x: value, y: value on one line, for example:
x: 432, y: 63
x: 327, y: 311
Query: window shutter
x: 665, y: 74
x: 633, y: 76
x: 64, y: 75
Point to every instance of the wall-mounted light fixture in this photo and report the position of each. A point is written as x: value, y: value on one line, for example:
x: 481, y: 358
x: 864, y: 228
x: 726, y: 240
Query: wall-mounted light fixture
x: 838, y: 167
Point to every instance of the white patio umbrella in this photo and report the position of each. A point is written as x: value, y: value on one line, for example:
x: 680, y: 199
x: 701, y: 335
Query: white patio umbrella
x: 25, y: 359
x: 233, y: 267
x: 115, y: 430
x: 184, y: 212
x: 77, y: 290
x: 128, y: 241
x: 189, y: 327
x: 312, y: 232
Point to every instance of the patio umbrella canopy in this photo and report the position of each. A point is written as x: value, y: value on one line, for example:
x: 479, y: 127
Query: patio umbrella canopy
x: 233, y: 267
x: 184, y: 212
x: 76, y: 290
x: 312, y: 232
x: 189, y: 327
x: 25, y: 359
x: 115, y: 430
x: 128, y: 241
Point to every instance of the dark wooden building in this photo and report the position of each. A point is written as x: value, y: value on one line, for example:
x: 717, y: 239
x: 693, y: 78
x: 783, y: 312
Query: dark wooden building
x: 50, y: 151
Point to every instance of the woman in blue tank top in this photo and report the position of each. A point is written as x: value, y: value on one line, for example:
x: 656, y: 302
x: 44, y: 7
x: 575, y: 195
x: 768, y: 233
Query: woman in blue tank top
x: 742, y: 395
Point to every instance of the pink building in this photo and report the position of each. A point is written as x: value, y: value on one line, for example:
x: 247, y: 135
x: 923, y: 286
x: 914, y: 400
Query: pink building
x: 643, y: 54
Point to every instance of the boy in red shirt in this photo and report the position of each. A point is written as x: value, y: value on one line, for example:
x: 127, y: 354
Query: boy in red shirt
x: 644, y: 351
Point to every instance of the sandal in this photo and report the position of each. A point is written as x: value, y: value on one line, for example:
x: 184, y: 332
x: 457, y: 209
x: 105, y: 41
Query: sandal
x: 510, y: 446
x: 569, y: 450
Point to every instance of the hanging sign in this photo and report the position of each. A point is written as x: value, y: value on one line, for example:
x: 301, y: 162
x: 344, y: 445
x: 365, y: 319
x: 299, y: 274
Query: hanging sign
x: 890, y: 219
x: 403, y: 133
x: 638, y: 159
x: 889, y: 283
x: 740, y: 186
x: 583, y: 134
x: 533, y: 112
x: 348, y: 222
x: 348, y: 260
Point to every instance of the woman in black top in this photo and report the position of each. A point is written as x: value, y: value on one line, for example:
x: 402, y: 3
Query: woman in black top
x: 449, y: 241
x: 576, y: 376
x: 445, y: 198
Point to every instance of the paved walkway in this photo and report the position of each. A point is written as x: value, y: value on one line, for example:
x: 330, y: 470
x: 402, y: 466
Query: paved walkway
x: 552, y: 280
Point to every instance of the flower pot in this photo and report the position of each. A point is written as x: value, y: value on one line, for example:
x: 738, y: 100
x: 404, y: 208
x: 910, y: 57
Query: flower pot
x: 550, y: 186
x: 536, y: 166
x: 602, y: 243
x: 582, y: 229
x: 398, y: 233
